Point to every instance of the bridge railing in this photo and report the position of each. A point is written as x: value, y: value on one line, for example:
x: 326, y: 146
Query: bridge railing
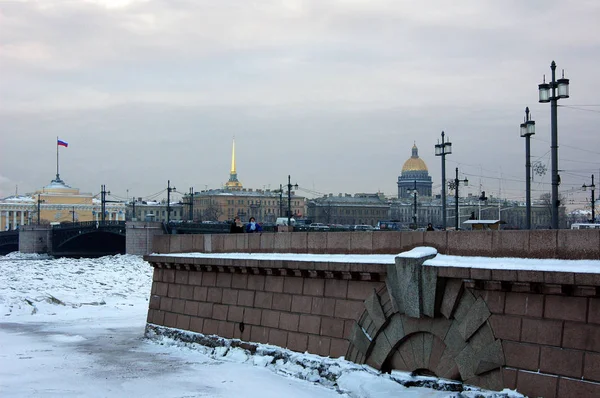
x: 89, y: 224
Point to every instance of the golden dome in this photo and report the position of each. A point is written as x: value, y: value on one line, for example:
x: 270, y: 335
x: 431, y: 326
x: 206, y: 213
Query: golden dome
x: 414, y: 163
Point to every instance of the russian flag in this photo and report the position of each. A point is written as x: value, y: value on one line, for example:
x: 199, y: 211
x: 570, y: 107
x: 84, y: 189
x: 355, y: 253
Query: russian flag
x: 62, y: 143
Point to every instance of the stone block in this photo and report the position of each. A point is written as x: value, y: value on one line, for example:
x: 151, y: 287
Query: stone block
x: 489, y: 358
x: 293, y: 285
x: 196, y: 324
x: 508, y: 243
x: 506, y: 327
x: 431, y: 291
x: 394, y: 330
x: 267, y: 242
x: 477, y: 315
x: 582, y: 336
x: 332, y: 327
x: 542, y: 331
x: 466, y: 301
x: 297, y: 342
x: 278, y: 337
x: 437, y: 350
x: 524, y: 304
x: 387, y: 242
x: 543, y: 243
x: 578, y: 243
x: 336, y: 288
x: 282, y: 302
x: 470, y: 243
x: 591, y: 368
x: 361, y: 242
x: 380, y: 349
x: 309, y: 324
x: 198, y: 243
x: 561, y: 361
x: 190, y: 308
x: 209, y: 279
x: 437, y: 239
x: 566, y: 308
x: 230, y: 296
x: 317, y: 242
x: 319, y: 345
x: 210, y: 326
x: 452, y: 292
x: 494, y: 300
x: 521, y: 355
x: 252, y: 316
x: 577, y: 388
x: 270, y: 318
x: 299, y: 242
x: 282, y: 242
x: 183, y: 322
x: 323, y: 306
x: 466, y: 361
x: 263, y: 299
x: 373, y: 307
x: 348, y: 309
x: 314, y: 287
x: 454, y: 341
x: 274, y: 283
x: 338, y: 242
x: 339, y: 348
x: 289, y: 321
x: 301, y: 304
x: 235, y: 314
x: 259, y: 334
x: 205, y: 310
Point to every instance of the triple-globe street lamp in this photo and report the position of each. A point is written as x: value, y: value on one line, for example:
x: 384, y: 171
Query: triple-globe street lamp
x: 552, y: 92
x: 443, y: 149
x: 414, y: 192
x: 457, y: 182
x: 527, y: 130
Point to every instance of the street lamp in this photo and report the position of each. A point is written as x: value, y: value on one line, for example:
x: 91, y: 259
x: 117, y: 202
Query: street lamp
x: 457, y: 182
x: 527, y: 130
x: 414, y: 193
x: 552, y: 92
x: 443, y: 149
x: 289, y: 187
x: 592, y: 188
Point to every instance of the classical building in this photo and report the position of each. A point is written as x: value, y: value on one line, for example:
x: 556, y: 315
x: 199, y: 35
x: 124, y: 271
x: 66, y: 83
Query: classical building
x: 57, y: 202
x: 141, y: 210
x: 235, y: 200
x: 414, y: 175
x: 360, y: 209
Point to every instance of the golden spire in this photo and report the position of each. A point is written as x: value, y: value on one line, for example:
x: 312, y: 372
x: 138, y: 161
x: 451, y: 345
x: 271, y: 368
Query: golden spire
x: 233, y: 183
x: 233, y: 157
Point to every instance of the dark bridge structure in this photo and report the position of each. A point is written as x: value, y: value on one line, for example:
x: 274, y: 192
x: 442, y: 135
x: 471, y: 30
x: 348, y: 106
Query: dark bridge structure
x: 88, y: 239
x: 9, y: 242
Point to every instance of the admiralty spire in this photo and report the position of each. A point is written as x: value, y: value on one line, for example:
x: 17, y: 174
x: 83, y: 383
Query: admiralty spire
x: 233, y: 184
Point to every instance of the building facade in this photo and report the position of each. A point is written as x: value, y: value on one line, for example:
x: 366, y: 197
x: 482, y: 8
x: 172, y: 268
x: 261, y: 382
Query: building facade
x: 233, y: 200
x: 57, y: 202
x: 141, y: 210
x: 415, y: 175
x: 360, y: 209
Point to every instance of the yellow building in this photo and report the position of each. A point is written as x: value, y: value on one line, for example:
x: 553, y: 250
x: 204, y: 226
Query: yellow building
x: 57, y: 202
x: 235, y: 200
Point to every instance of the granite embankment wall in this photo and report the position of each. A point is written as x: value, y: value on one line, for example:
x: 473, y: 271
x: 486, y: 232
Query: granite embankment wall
x: 534, y: 331
x: 568, y: 244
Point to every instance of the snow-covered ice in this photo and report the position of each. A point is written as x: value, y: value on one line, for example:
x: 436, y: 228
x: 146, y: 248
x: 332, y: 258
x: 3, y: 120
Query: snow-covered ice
x: 75, y: 327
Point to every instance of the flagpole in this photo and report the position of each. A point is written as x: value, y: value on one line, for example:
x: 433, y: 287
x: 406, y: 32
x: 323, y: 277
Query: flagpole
x: 57, y: 175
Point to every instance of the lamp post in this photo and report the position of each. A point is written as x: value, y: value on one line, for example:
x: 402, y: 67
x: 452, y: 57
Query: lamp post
x: 414, y: 193
x: 482, y: 198
x: 592, y: 188
x: 443, y: 149
x: 169, y: 190
x: 289, y: 187
x: 527, y: 130
x: 465, y: 182
x: 552, y: 92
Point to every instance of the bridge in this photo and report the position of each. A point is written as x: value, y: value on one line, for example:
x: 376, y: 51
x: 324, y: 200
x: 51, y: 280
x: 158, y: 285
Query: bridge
x: 9, y: 242
x: 88, y: 239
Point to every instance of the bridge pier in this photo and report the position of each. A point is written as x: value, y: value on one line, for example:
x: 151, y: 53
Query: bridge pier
x: 35, y: 239
x: 140, y: 235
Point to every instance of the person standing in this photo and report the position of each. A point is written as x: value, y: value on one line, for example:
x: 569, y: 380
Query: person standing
x: 253, y: 226
x: 236, y: 226
x: 430, y: 227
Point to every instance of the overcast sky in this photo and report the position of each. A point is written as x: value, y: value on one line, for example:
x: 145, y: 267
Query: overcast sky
x: 333, y: 92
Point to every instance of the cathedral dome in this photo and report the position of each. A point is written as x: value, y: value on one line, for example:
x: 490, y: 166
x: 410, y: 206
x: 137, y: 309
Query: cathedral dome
x: 414, y: 163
